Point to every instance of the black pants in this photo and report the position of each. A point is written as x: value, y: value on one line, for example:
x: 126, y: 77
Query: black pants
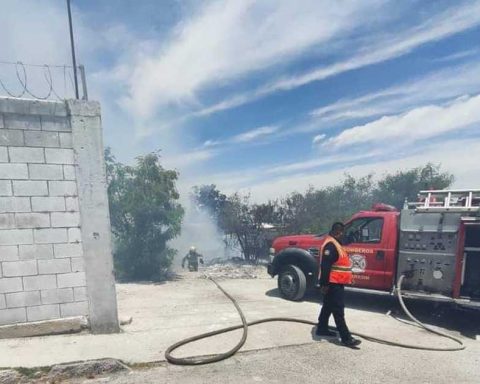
x: 334, y: 304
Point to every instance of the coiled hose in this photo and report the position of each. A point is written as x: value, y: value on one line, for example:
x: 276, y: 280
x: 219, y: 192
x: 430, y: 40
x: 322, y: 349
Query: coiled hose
x: 199, y: 360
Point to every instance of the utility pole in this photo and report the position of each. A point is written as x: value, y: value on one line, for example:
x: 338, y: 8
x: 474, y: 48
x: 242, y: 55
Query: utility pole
x: 72, y: 43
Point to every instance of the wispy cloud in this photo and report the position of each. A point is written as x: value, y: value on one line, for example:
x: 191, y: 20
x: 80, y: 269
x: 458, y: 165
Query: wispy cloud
x: 417, y: 124
x: 318, y: 138
x: 224, y: 40
x: 450, y: 22
x: 458, y: 55
x: 255, y: 134
x: 443, y: 84
x: 188, y: 158
x: 259, y: 133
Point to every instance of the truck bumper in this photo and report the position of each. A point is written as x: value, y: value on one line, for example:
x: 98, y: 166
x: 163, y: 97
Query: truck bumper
x: 270, y: 269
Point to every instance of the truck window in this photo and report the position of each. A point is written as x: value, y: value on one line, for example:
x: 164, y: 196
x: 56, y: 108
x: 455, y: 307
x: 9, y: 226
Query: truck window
x: 364, y: 230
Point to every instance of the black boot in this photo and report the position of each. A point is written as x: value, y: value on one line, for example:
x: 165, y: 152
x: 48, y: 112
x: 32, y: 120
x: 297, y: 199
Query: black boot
x: 352, y: 342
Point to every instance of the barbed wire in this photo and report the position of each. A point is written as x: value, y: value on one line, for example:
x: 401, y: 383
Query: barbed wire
x: 24, y: 84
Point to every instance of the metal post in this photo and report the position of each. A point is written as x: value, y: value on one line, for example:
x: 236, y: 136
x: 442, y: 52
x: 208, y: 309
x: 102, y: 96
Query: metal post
x: 84, y: 81
x: 72, y: 43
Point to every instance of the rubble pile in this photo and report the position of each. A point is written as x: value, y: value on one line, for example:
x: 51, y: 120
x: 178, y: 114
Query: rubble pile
x: 228, y: 270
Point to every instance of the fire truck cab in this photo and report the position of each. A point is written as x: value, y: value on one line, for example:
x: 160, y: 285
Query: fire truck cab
x: 434, y: 242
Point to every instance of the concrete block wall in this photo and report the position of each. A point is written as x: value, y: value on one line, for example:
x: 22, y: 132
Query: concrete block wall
x: 42, y: 256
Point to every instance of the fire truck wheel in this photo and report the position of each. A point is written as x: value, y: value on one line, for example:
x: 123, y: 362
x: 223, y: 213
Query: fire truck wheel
x: 292, y: 283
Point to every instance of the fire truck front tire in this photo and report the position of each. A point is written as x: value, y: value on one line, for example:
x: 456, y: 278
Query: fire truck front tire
x: 292, y: 283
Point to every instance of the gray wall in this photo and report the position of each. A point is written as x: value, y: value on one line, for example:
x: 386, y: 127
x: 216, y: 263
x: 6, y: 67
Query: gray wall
x: 52, y: 204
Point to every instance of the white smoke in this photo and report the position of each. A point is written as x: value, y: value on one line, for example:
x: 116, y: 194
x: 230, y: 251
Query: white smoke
x: 199, y: 230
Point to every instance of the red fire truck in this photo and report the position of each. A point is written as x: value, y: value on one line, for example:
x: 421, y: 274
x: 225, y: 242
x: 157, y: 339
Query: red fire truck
x: 434, y: 242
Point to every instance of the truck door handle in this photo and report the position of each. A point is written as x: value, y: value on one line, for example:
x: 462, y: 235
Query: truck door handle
x: 380, y: 255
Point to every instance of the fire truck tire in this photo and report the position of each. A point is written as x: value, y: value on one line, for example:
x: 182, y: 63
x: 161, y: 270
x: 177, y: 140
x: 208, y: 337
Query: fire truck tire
x: 292, y: 283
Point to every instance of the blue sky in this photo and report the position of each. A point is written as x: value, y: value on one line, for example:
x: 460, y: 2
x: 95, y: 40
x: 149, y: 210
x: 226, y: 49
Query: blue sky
x: 269, y: 97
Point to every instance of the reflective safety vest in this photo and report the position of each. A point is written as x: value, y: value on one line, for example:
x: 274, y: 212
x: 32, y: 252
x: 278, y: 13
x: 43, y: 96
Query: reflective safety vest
x: 341, y: 272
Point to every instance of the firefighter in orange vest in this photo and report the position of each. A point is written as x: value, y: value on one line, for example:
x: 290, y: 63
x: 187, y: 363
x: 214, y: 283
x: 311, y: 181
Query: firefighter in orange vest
x: 335, y: 273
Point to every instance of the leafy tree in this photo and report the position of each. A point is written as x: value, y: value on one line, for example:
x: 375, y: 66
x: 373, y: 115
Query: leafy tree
x: 145, y: 215
x: 394, y: 189
x: 209, y: 198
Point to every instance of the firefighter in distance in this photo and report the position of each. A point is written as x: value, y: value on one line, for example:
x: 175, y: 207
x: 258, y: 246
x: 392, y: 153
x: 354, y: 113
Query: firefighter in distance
x: 192, y: 258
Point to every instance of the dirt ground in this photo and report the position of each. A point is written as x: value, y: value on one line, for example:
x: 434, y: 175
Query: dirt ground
x: 274, y: 352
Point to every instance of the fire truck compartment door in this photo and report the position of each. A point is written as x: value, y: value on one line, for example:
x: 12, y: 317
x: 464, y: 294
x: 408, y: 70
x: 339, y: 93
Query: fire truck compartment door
x: 427, y: 250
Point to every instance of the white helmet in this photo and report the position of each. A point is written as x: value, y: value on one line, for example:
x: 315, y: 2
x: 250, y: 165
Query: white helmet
x: 192, y: 249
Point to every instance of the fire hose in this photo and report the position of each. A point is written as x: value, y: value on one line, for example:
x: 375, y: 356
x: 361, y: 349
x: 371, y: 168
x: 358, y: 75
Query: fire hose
x: 199, y: 360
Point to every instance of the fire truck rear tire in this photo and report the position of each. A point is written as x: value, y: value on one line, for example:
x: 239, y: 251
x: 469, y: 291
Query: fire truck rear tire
x: 292, y: 283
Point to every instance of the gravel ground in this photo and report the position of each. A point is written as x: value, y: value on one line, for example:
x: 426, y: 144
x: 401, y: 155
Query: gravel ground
x: 233, y: 271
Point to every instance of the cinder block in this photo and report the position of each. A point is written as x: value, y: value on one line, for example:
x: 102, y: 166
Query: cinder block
x: 62, y: 188
x: 3, y: 303
x: 33, y: 107
x: 66, y: 140
x: 9, y: 253
x: 39, y: 282
x: 44, y: 171
x: 74, y: 235
x: 71, y: 204
x: 41, y: 139
x: 46, y: 267
x: 48, y: 204
x: 11, y: 138
x: 26, y: 155
x: 81, y: 109
x: 14, y: 171
x: 59, y: 156
x: 5, y: 188
x: 74, y: 309
x: 23, y: 299
x: 55, y: 123
x: 12, y: 316
x: 16, y: 236
x: 65, y: 219
x: 57, y: 296
x: 3, y: 155
x: 32, y: 220
x: 78, y: 264
x: 15, y: 121
x: 74, y: 279
x: 69, y: 172
x: 10, y: 284
x: 15, y: 204
x: 30, y: 188
x: 50, y: 235
x: 80, y: 294
x: 43, y: 312
x: 35, y: 252
x: 19, y: 268
x: 7, y: 221
x: 67, y: 250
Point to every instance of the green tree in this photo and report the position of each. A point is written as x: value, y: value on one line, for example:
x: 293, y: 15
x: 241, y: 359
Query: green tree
x: 209, y: 198
x: 394, y: 189
x: 145, y: 215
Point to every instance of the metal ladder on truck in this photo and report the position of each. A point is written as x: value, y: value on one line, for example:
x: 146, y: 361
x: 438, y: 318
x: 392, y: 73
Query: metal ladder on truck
x: 447, y: 200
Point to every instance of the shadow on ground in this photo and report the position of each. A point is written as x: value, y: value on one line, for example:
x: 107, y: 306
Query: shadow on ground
x: 172, y: 276
x: 466, y: 322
